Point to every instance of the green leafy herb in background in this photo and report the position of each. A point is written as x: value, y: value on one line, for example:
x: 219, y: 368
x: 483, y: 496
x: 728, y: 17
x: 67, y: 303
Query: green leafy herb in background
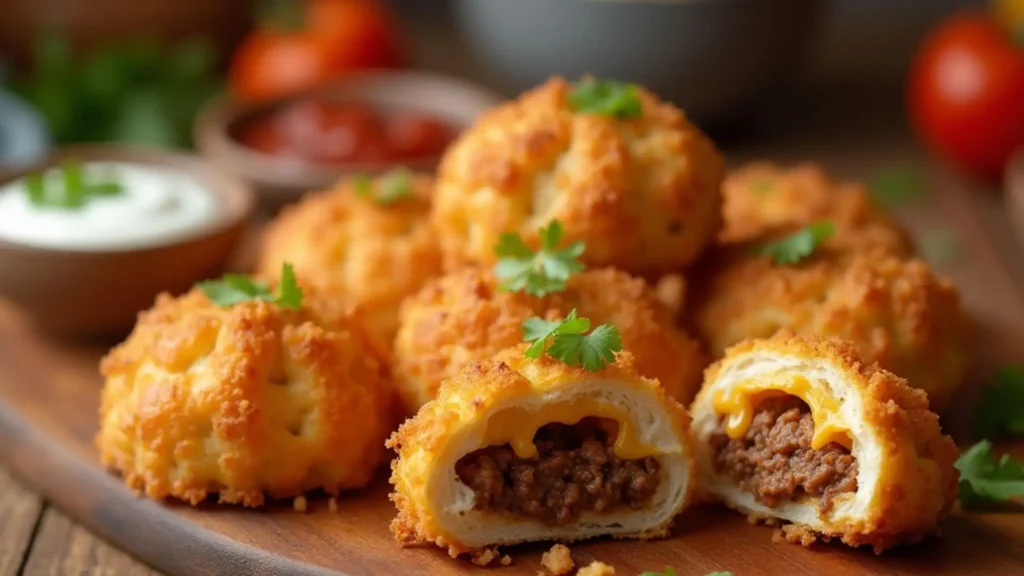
x: 797, y: 246
x: 392, y: 187
x: 521, y: 269
x: 570, y: 343
x: 232, y: 289
x: 982, y: 477
x: 605, y: 98
x: 1001, y: 410
x: 897, y: 186
x: 137, y: 91
x: 75, y: 191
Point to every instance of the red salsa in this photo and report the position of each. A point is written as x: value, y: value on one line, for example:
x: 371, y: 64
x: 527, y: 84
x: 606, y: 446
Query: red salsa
x: 329, y: 132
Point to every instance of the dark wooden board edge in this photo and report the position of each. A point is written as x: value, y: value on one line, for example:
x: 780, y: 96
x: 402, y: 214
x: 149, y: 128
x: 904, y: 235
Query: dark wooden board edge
x: 144, y: 528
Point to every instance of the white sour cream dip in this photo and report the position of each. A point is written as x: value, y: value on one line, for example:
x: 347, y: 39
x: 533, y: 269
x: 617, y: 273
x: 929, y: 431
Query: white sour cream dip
x: 157, y: 207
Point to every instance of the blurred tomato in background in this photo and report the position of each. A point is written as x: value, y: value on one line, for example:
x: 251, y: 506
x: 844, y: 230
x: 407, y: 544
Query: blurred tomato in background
x: 966, y: 89
x: 299, y: 45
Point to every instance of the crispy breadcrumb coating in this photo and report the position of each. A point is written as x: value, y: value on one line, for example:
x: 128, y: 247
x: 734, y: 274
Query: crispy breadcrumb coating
x: 596, y: 568
x: 900, y: 313
x: 352, y: 247
x: 642, y: 193
x: 247, y: 402
x: 464, y: 317
x: 557, y: 560
x: 450, y: 425
x: 761, y: 198
x: 916, y: 485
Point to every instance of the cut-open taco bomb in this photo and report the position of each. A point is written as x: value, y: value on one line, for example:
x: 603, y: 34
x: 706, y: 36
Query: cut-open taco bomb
x: 515, y: 449
x: 799, y: 430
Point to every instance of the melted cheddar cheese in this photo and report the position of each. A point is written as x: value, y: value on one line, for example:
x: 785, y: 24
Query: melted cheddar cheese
x: 738, y: 402
x: 517, y: 427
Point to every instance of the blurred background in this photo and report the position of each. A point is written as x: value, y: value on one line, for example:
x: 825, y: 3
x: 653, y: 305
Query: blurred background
x: 141, y: 72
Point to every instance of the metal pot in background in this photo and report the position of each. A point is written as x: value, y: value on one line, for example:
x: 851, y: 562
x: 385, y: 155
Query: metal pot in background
x: 715, y: 58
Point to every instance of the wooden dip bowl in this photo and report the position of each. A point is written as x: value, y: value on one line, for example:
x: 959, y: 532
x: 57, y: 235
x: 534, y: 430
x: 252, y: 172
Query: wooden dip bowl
x: 99, y: 293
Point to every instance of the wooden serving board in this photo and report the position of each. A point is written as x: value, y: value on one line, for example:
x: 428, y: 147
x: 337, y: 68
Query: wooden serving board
x: 49, y: 394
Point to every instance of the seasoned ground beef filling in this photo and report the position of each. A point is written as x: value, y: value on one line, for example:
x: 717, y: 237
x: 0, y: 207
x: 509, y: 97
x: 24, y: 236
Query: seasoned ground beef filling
x: 774, y: 460
x: 576, y: 470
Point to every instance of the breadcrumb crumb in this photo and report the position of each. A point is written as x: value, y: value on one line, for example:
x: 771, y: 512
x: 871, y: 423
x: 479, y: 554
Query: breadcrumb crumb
x: 506, y: 560
x: 596, y: 568
x: 558, y: 560
x: 485, y: 557
x: 299, y: 503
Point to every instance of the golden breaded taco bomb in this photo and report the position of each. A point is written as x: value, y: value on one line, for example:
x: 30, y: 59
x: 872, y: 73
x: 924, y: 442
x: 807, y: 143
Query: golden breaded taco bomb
x: 800, y: 430
x: 623, y: 171
x: 518, y: 449
x: 367, y: 241
x: 233, y: 391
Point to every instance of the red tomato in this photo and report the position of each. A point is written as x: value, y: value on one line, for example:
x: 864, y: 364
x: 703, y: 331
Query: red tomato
x: 321, y: 40
x: 966, y: 94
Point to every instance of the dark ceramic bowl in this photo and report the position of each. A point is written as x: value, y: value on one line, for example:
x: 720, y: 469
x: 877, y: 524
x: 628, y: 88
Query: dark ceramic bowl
x: 100, y: 293
x: 714, y: 58
x: 279, y: 179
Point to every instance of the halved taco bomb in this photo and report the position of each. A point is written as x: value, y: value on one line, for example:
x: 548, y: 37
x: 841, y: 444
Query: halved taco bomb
x: 799, y: 430
x: 562, y: 444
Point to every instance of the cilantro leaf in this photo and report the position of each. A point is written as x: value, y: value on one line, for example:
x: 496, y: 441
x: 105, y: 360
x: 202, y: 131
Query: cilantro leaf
x: 797, y: 246
x: 570, y: 343
x: 982, y: 477
x: 540, y: 273
x: 233, y: 289
x: 897, y: 186
x: 1001, y: 410
x: 605, y: 98
x: 392, y: 187
x: 76, y: 189
x: 363, y: 185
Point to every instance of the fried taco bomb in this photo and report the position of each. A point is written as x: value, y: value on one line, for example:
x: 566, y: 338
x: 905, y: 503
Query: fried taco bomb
x: 368, y: 241
x: 761, y: 198
x: 801, y: 431
x: 896, y: 311
x: 516, y: 449
x: 245, y: 399
x: 466, y: 317
x: 623, y: 171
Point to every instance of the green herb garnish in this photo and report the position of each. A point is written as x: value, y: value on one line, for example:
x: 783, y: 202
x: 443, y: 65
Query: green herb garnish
x: 75, y: 191
x: 897, y: 186
x: 982, y: 477
x: 669, y: 571
x: 570, y: 344
x: 538, y: 273
x: 232, y: 289
x: 605, y: 98
x: 797, y: 246
x: 392, y: 187
x: 1001, y: 410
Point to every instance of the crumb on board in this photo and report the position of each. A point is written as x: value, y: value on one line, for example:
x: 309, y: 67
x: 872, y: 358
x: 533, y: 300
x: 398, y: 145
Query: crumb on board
x: 299, y: 504
x: 797, y: 535
x: 332, y: 504
x: 484, y: 557
x: 558, y: 560
x: 596, y: 568
x: 506, y: 560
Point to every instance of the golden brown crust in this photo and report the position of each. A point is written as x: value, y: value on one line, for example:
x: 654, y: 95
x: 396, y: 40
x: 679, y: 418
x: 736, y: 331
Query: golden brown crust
x: 897, y: 311
x: 351, y: 247
x: 245, y: 402
x: 557, y: 560
x: 761, y: 198
x: 642, y: 193
x: 464, y: 317
x: 596, y: 568
x: 461, y: 403
x: 917, y: 482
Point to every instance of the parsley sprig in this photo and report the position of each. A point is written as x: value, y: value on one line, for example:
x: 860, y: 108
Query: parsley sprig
x: 570, y: 343
x: 605, y: 98
x: 982, y: 477
x: 538, y: 273
x: 797, y: 246
x: 392, y: 187
x: 232, y: 289
x: 1001, y: 410
x: 75, y: 191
